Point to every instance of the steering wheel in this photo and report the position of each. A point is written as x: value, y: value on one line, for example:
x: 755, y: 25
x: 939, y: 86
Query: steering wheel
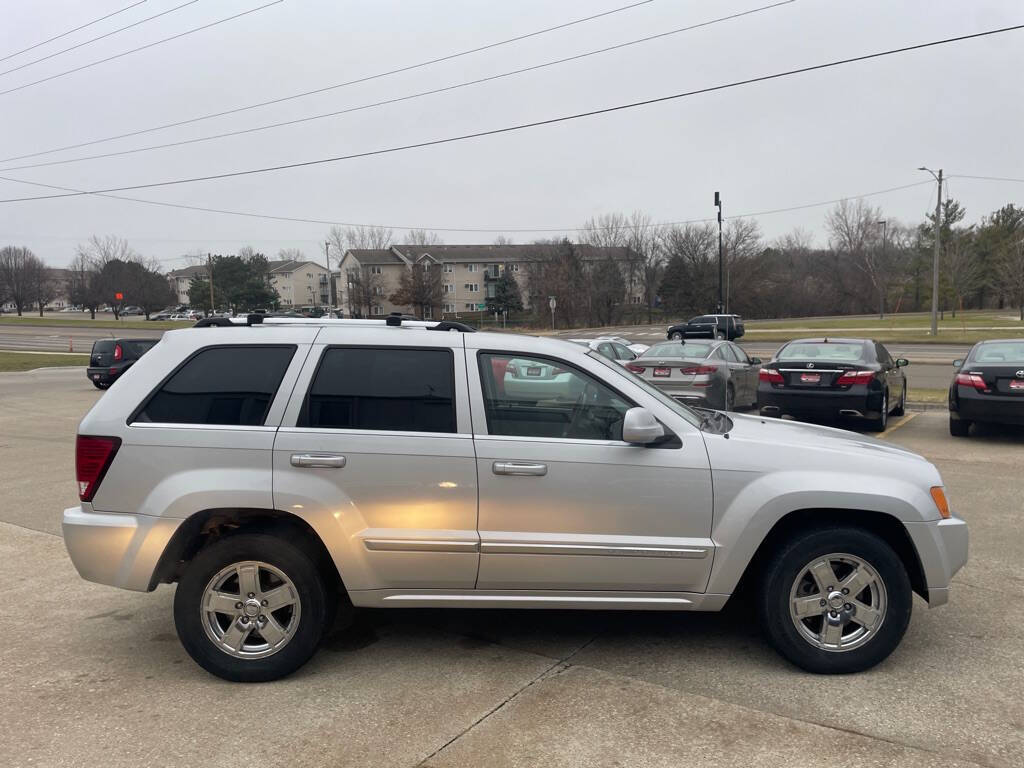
x: 579, y: 409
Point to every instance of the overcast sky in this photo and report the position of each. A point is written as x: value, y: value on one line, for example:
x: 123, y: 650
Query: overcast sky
x: 812, y: 137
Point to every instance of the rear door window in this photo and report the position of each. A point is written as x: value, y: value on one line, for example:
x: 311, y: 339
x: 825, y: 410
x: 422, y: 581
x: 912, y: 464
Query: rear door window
x: 231, y: 386
x: 382, y: 388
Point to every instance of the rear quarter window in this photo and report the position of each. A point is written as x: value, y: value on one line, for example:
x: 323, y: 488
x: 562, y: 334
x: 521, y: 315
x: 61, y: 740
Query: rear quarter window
x: 231, y: 386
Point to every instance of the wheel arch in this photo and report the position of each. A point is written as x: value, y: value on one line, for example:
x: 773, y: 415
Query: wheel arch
x: 887, y: 527
x: 209, y: 525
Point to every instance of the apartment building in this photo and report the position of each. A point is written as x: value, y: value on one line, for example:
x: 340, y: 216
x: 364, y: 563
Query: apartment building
x: 181, y: 280
x: 300, y: 283
x: 367, y: 277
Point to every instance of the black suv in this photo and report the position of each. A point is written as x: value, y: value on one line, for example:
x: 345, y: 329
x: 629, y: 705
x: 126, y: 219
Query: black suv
x: 112, y: 357
x: 708, y: 327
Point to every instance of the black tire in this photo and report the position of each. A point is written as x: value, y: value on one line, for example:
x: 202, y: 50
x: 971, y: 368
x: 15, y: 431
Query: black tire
x: 100, y: 385
x: 785, y: 566
x: 675, y: 336
x: 879, y: 424
x: 959, y: 427
x: 300, y: 568
x: 901, y: 409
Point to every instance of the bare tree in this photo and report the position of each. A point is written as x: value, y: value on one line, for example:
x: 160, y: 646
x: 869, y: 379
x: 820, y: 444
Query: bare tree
x: 645, y: 242
x: 83, y: 284
x: 285, y: 254
x: 960, y: 267
x: 502, y: 240
x: 854, y: 230
x: 422, y: 237
x: 365, y: 290
x: 361, y: 237
x: 17, y: 275
x: 420, y: 287
x: 741, y: 241
x: 609, y: 230
x: 42, y: 285
x: 1010, y: 271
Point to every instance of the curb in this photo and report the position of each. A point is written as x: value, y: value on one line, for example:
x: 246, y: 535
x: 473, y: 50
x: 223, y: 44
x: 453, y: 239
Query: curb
x: 912, y: 406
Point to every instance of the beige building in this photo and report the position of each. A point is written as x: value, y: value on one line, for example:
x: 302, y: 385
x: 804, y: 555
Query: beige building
x: 181, y: 280
x: 300, y: 283
x: 469, y: 274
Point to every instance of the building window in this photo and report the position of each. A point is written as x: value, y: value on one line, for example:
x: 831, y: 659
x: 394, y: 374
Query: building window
x: 636, y: 299
x: 512, y: 267
x: 449, y: 268
x: 449, y: 308
x: 448, y: 288
x: 426, y: 266
x: 377, y: 310
x: 470, y: 307
x: 472, y: 267
x: 493, y: 270
x: 378, y: 290
x: 472, y: 287
x: 428, y: 313
x: 375, y: 271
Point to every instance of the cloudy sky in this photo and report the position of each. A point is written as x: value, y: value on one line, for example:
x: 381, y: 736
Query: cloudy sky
x: 813, y: 137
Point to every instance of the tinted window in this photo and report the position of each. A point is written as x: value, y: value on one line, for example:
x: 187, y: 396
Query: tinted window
x: 703, y: 319
x: 220, y: 385
x: 406, y: 390
x: 729, y: 354
x: 606, y: 350
x: 136, y: 348
x: 695, y: 350
x: 544, y: 398
x: 1009, y: 352
x: 839, y: 352
x: 883, y: 355
x: 103, y: 345
x: 623, y: 353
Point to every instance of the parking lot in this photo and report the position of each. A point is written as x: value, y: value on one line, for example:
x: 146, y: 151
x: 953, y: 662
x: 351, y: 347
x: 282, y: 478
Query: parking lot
x: 95, y: 676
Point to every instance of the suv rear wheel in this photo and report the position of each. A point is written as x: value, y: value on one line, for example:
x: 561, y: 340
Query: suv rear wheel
x: 251, y: 608
x: 835, y: 600
x: 676, y: 335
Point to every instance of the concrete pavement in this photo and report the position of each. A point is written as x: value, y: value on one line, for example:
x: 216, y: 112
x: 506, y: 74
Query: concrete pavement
x: 93, y: 676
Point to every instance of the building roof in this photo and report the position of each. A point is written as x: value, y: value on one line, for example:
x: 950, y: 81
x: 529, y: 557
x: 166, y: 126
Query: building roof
x: 503, y: 253
x: 196, y: 270
x: 289, y: 265
x: 375, y: 256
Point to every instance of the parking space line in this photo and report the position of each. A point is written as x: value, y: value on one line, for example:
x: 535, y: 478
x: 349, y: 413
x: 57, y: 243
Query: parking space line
x: 898, y: 424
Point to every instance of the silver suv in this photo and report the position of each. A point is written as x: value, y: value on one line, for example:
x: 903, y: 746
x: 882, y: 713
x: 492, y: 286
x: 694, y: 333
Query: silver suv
x: 284, y: 471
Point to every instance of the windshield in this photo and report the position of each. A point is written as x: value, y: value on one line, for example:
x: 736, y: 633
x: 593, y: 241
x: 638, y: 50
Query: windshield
x: 694, y: 349
x: 1009, y: 352
x: 840, y: 352
x: 676, y: 407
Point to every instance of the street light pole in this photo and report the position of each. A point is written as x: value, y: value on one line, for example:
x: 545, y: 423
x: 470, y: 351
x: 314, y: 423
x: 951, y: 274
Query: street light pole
x: 721, y: 302
x: 938, y: 249
x: 881, y: 289
x: 330, y: 276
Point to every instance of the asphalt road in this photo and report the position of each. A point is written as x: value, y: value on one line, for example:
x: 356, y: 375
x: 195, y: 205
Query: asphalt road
x: 90, y: 675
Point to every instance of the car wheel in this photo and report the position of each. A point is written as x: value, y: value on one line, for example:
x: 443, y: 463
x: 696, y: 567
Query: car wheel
x: 959, y: 427
x: 251, y: 608
x: 900, y: 409
x: 835, y: 600
x: 100, y: 384
x: 730, y: 397
x: 879, y: 424
x: 676, y: 335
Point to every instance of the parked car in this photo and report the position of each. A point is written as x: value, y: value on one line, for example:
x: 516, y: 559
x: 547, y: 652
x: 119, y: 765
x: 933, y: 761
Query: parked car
x: 613, y: 350
x: 704, y: 374
x: 110, y: 358
x: 988, y: 386
x: 164, y: 314
x: 832, y: 378
x: 637, y: 348
x: 284, y: 472
x: 132, y: 310
x: 728, y: 327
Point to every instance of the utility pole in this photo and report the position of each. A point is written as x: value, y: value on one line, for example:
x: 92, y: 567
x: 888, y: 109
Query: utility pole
x: 938, y: 250
x: 721, y: 302
x: 881, y: 289
x: 209, y: 270
x: 330, y: 276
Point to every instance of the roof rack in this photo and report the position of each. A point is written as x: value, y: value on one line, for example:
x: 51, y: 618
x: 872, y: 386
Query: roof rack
x: 394, y: 320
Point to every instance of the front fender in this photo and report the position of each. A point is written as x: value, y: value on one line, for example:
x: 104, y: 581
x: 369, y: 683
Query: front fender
x: 747, y: 508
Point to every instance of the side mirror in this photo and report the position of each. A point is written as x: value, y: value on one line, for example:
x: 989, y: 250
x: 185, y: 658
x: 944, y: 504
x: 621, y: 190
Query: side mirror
x: 902, y: 362
x: 755, y: 361
x: 640, y: 427
x: 958, y: 363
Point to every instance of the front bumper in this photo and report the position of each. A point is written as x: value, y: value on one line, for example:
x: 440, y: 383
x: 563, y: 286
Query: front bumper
x: 942, y: 549
x: 116, y: 549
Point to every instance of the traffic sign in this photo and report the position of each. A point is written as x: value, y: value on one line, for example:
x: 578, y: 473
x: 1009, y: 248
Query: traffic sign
x: 119, y: 296
x: 481, y: 306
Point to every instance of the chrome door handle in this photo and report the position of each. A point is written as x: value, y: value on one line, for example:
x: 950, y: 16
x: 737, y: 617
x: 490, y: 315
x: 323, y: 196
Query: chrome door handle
x: 323, y: 460
x: 519, y: 468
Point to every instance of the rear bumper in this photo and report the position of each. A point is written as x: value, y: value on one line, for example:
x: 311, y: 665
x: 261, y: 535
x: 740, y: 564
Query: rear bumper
x: 817, y: 402
x: 999, y: 409
x: 116, y: 549
x: 942, y: 549
x: 104, y: 375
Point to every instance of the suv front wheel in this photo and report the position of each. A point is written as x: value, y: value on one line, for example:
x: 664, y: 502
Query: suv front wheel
x: 251, y: 608
x: 835, y: 600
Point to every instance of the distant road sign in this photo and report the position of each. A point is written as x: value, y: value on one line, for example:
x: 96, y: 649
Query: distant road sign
x: 481, y: 306
x: 119, y: 296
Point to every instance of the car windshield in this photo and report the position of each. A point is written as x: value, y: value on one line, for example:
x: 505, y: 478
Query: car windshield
x: 687, y: 413
x: 692, y: 349
x: 1009, y: 352
x: 839, y: 352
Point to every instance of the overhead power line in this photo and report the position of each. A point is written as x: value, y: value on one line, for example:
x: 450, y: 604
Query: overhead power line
x: 519, y: 126
x: 399, y: 99
x: 140, y: 48
x: 70, y: 31
x: 480, y: 230
x: 95, y: 39
x: 336, y: 86
x: 985, y: 178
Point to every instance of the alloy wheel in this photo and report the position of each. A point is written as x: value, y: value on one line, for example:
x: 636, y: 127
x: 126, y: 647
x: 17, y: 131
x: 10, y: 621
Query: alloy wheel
x: 837, y: 602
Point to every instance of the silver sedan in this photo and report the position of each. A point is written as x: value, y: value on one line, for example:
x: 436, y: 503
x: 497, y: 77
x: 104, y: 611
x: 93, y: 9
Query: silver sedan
x: 705, y: 374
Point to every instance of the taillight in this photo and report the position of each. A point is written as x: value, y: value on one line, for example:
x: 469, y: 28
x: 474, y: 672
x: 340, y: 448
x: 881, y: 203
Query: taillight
x: 635, y: 368
x: 700, y: 370
x: 770, y: 376
x: 118, y: 352
x: 93, y: 456
x: 971, y: 380
x: 855, y: 377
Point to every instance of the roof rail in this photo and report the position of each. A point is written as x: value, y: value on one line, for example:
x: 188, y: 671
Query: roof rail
x: 391, y: 321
